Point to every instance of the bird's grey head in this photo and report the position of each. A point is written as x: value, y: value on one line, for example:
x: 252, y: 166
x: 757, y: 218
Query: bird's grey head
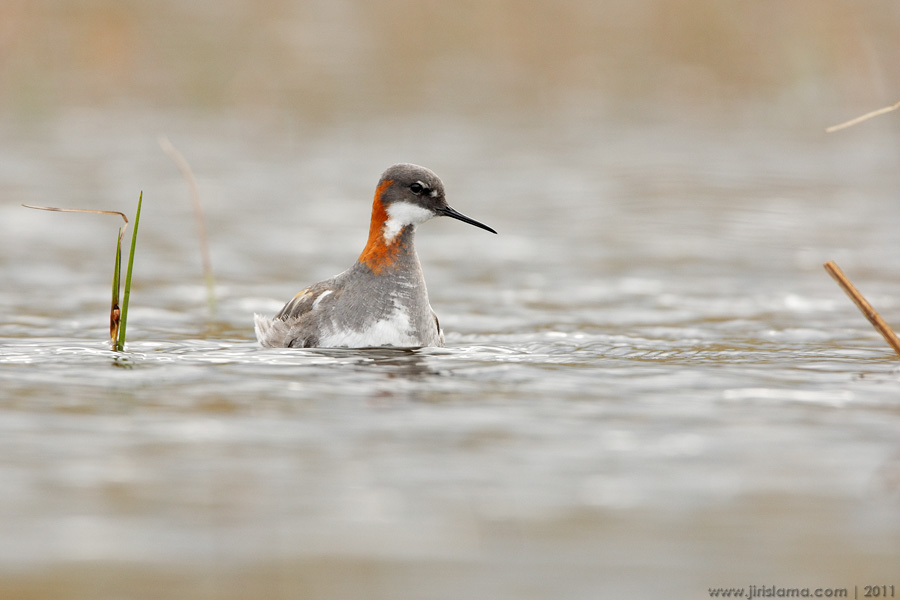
x: 405, y: 189
x: 413, y: 184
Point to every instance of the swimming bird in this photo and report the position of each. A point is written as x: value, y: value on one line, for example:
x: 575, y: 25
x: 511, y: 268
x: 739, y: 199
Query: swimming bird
x: 381, y: 300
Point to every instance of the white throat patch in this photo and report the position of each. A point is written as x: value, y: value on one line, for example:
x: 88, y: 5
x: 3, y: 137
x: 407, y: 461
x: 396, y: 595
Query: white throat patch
x: 401, y: 214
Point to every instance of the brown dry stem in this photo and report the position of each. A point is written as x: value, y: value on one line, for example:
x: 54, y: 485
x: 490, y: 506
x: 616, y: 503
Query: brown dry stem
x: 80, y: 210
x: 867, y: 310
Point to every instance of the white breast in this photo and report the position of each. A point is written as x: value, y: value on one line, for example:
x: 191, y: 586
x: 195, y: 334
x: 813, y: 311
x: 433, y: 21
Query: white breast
x: 394, y: 330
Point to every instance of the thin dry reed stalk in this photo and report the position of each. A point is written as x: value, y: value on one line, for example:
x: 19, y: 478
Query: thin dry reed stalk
x: 188, y: 174
x: 867, y: 310
x: 862, y: 118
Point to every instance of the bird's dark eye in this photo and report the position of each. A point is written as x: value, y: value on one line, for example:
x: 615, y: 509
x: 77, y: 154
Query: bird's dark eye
x: 417, y: 188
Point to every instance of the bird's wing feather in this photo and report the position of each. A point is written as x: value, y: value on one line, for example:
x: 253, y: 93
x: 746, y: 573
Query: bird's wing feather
x: 305, y: 301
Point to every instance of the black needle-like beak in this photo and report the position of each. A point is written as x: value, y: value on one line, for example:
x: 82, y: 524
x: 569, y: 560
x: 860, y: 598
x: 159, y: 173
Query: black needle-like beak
x: 450, y: 212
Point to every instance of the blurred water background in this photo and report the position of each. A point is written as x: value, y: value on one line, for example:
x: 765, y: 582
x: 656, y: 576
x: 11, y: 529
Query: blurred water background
x: 650, y: 387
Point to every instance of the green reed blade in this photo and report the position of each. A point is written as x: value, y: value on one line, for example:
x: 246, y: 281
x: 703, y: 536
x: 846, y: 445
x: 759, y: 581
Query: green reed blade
x: 125, y: 298
x: 114, y: 310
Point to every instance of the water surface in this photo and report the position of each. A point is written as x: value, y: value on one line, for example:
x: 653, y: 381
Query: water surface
x: 650, y: 386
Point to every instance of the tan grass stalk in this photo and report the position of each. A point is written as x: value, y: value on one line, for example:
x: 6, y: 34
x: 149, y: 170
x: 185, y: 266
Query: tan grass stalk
x: 862, y: 118
x: 188, y: 174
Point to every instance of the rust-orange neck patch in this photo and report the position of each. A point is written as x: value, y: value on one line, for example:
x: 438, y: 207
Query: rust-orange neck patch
x: 378, y: 255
